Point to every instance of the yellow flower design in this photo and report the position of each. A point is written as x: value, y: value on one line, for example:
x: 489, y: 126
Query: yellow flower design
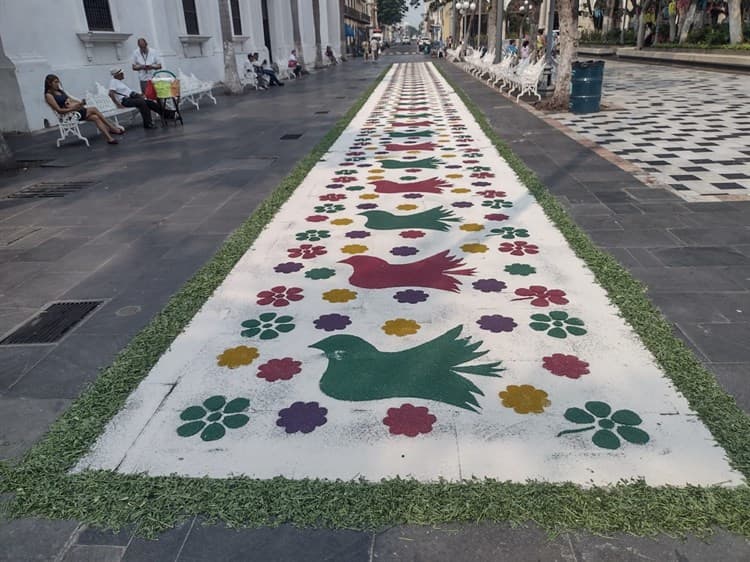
x: 460, y: 190
x: 406, y: 207
x: 369, y: 196
x: 449, y: 155
x: 374, y: 178
x: 371, y: 148
x: 354, y: 249
x: 376, y: 171
x: 341, y: 222
x: 400, y: 327
x: 454, y: 176
x: 237, y: 356
x: 471, y: 227
x: 524, y: 399
x: 474, y: 248
x: 339, y: 295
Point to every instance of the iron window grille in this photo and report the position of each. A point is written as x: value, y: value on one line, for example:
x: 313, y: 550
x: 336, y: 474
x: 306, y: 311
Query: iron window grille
x: 234, y: 6
x: 191, y: 17
x: 98, y: 15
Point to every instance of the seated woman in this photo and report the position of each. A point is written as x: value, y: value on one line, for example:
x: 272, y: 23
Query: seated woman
x: 330, y: 55
x: 267, y: 70
x: 294, y: 65
x: 62, y: 103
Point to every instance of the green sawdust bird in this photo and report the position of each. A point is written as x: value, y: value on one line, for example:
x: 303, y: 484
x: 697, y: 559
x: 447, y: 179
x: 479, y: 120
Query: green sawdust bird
x: 398, y: 164
x: 359, y: 372
x: 432, y: 219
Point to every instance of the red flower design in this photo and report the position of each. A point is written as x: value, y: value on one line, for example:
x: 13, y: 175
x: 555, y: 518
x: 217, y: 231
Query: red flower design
x: 344, y: 179
x: 280, y: 296
x: 412, y: 234
x: 332, y: 197
x: 542, y: 296
x: 566, y: 365
x: 316, y: 218
x: 496, y: 217
x: 355, y: 153
x: 470, y: 161
x: 516, y: 248
x: 279, y: 369
x: 409, y: 420
x: 306, y: 251
x: 492, y: 194
x: 482, y: 175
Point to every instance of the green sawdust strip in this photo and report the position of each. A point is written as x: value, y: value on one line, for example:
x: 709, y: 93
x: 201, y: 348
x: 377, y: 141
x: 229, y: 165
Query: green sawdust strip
x: 42, y: 488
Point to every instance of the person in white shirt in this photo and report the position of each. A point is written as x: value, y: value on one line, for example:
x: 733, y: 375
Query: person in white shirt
x: 124, y: 96
x: 294, y: 64
x: 374, y: 48
x: 145, y: 61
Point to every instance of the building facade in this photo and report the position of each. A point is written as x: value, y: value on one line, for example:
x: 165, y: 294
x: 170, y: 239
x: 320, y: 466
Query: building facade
x: 80, y: 40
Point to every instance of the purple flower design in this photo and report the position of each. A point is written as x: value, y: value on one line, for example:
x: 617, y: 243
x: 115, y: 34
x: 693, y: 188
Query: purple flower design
x: 411, y: 296
x: 335, y: 185
x: 367, y: 206
x: 496, y: 323
x: 463, y: 204
x: 481, y: 183
x: 332, y: 322
x: 413, y: 196
x: 357, y: 234
x: 288, y: 267
x: 453, y: 166
x: 404, y: 251
x: 302, y: 417
x: 364, y: 165
x: 489, y: 285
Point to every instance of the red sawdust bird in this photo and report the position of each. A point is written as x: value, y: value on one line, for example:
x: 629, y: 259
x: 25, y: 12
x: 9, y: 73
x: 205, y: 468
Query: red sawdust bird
x: 394, y: 147
x: 431, y: 185
x: 433, y: 272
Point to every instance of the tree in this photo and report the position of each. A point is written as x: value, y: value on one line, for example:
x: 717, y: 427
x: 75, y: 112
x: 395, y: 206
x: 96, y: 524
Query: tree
x: 297, y: 37
x: 568, y: 14
x: 316, y: 24
x: 6, y: 156
x: 735, y: 22
x: 232, y: 83
x: 391, y: 11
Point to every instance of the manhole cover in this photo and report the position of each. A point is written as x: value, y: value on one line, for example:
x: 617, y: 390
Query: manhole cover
x: 321, y: 112
x: 291, y: 136
x: 52, y: 323
x: 51, y: 189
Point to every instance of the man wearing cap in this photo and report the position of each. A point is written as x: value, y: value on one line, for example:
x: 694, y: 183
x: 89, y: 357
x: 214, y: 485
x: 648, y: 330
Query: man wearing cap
x: 124, y: 96
x: 145, y: 61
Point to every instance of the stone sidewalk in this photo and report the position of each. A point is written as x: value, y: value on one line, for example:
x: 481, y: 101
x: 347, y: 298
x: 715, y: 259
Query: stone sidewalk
x: 135, y: 237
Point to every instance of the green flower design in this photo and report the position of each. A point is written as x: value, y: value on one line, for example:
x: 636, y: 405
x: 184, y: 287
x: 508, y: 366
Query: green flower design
x: 356, y: 158
x: 268, y: 325
x: 622, y: 421
x: 313, y: 235
x: 346, y: 172
x: 355, y: 187
x: 329, y: 208
x: 320, y: 273
x: 557, y: 324
x: 407, y: 178
x: 473, y: 155
x: 497, y: 203
x: 509, y: 233
x: 520, y: 269
x: 213, y: 417
x: 478, y: 168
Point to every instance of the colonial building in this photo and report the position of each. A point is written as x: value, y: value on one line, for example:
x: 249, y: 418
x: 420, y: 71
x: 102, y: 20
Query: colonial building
x: 360, y: 18
x: 80, y: 40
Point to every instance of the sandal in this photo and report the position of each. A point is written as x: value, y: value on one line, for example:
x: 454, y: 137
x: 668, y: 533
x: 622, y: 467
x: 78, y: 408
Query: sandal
x: 113, y: 141
x: 120, y: 131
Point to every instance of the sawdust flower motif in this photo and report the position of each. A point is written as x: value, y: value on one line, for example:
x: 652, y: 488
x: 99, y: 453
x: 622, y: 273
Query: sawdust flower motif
x: 234, y: 357
x: 354, y: 249
x: 213, y: 418
x: 541, y: 295
x: 474, y: 248
x: 471, y: 227
x: 306, y: 251
x: 599, y: 414
x: 519, y: 248
x: 557, y: 324
x: 312, y: 235
x: 302, y: 417
x: 267, y: 325
x: 280, y: 296
x: 400, y: 327
x: 524, y: 399
x: 411, y: 234
x: 339, y: 295
x: 565, y: 365
x: 332, y: 322
x: 409, y: 420
x: 279, y: 369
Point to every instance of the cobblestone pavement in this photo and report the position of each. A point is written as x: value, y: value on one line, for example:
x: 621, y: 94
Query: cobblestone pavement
x: 687, y: 129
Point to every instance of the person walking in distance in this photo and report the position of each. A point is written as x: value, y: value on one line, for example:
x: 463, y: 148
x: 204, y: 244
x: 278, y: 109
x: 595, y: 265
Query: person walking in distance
x: 145, y: 61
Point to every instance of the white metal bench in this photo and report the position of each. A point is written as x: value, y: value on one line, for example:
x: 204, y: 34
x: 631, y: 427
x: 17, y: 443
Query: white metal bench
x: 193, y: 90
x: 67, y: 124
x: 104, y: 103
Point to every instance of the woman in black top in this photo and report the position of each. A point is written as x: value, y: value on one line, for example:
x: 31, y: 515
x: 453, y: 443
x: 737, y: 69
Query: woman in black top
x: 62, y: 103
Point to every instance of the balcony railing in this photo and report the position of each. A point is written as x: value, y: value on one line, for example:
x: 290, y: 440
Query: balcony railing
x: 356, y: 15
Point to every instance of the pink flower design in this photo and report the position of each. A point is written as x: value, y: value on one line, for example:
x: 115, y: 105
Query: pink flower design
x: 344, y: 179
x: 279, y: 369
x: 496, y: 217
x: 306, y: 251
x: 409, y: 420
x: 492, y: 194
x: 332, y: 197
x: 517, y: 248
x: 541, y: 295
x: 482, y: 175
x: 566, y: 366
x: 412, y: 234
x: 316, y: 218
x: 280, y: 296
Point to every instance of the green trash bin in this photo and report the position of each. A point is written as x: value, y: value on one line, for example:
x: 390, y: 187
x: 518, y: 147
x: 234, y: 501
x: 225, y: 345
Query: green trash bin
x: 586, y: 86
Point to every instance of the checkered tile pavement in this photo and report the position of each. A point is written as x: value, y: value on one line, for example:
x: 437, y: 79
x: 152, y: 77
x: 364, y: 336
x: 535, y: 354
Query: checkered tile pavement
x: 688, y: 129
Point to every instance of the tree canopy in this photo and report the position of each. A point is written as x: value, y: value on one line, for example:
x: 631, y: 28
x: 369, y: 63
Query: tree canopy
x: 391, y: 11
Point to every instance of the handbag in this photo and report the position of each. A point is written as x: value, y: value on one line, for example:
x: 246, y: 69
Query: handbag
x: 150, y: 92
x: 292, y: 64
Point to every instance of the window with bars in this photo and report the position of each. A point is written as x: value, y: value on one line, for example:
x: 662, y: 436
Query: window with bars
x: 234, y: 6
x: 191, y: 17
x: 98, y: 15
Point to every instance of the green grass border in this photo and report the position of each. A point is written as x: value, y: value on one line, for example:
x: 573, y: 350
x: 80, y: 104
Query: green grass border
x: 40, y: 485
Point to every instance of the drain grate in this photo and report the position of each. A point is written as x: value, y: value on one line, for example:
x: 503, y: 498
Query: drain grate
x: 291, y: 136
x: 52, y: 323
x: 321, y: 112
x: 51, y: 189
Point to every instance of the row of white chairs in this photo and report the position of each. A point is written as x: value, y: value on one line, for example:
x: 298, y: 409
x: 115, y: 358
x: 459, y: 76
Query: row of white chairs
x: 522, y: 75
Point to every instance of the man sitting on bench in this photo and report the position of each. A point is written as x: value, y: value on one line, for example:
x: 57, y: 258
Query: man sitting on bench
x: 123, y: 96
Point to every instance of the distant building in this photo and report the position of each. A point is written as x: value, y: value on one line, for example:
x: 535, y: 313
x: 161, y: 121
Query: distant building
x: 80, y: 40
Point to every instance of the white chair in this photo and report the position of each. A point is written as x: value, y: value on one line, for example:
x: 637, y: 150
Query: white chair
x: 67, y: 124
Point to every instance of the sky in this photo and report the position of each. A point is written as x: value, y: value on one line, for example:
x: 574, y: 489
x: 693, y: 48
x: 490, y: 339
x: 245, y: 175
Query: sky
x: 414, y: 16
